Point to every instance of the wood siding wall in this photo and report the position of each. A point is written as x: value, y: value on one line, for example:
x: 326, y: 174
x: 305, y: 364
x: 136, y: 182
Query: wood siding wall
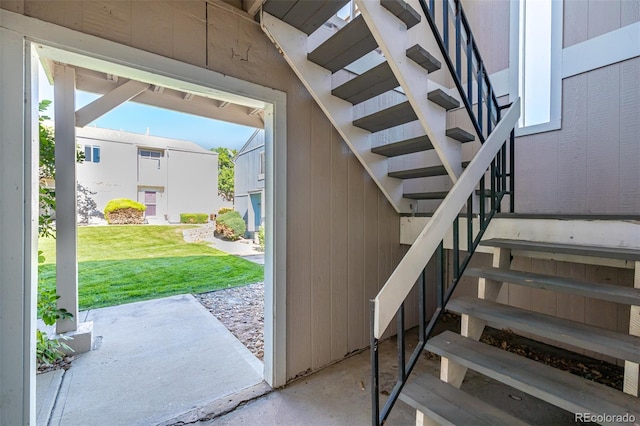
x: 342, y: 235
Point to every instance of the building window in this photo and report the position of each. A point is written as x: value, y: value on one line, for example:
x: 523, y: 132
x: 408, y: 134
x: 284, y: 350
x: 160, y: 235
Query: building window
x: 91, y: 154
x: 537, y: 57
x: 150, y: 202
x: 150, y: 155
x: 262, y: 166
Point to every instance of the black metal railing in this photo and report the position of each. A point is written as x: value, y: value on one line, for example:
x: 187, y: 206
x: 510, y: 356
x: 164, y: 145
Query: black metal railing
x: 490, y: 200
x: 486, y: 113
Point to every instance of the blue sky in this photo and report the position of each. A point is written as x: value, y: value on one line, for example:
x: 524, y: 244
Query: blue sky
x: 137, y: 118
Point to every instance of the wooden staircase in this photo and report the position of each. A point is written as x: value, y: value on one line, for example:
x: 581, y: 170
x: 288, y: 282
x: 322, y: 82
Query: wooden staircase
x: 396, y: 128
x: 463, y: 351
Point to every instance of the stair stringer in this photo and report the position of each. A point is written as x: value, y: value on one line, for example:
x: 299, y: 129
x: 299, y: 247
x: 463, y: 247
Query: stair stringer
x: 394, y: 40
x: 293, y: 46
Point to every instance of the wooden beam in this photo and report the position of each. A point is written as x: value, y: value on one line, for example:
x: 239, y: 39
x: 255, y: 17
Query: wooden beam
x: 109, y: 101
x: 223, y: 104
x: 158, y: 89
x: 252, y: 6
x: 188, y: 96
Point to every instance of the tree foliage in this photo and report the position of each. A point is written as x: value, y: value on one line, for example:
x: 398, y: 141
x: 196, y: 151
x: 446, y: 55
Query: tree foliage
x: 47, y: 200
x: 226, y: 177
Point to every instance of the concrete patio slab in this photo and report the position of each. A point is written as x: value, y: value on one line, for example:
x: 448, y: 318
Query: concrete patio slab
x: 154, y: 361
x: 47, y: 387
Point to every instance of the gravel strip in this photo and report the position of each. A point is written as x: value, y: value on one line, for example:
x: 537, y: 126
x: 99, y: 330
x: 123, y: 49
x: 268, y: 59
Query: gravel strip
x: 241, y: 310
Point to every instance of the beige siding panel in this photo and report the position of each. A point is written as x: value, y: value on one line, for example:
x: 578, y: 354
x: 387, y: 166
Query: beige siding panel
x: 569, y: 306
x: 16, y: 6
x: 572, y: 147
x: 629, y: 12
x: 298, y: 237
x: 604, y: 16
x: 543, y: 301
x: 489, y: 21
x: 355, y: 256
x: 520, y: 296
x: 371, y: 236
x: 66, y: 13
x: 152, y: 28
x: 223, y: 57
x: 629, y: 136
x: 537, y: 168
x: 251, y: 54
x: 576, y: 19
x: 108, y: 19
x: 320, y: 239
x: 339, y: 246
x: 190, y: 32
x: 603, y: 158
x: 599, y: 312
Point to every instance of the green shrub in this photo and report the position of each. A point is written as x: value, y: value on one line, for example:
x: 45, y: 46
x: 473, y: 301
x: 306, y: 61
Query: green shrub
x: 194, y: 217
x: 224, y: 210
x: 122, y: 211
x: 231, y: 225
x: 123, y: 203
x: 50, y: 350
x: 261, y: 237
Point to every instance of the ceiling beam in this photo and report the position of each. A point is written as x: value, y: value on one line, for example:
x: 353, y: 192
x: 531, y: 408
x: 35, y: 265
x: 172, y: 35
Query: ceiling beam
x: 109, y: 101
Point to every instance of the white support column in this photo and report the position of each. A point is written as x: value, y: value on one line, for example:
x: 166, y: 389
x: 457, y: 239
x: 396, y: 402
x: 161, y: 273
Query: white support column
x: 66, y: 214
x: 18, y: 229
x: 632, y: 369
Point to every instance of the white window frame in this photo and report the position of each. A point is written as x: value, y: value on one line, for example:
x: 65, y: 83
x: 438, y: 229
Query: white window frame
x: 261, y: 166
x: 92, y: 150
x: 555, y: 119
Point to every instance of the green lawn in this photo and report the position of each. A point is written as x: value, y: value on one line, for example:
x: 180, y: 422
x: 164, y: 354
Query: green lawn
x: 122, y: 264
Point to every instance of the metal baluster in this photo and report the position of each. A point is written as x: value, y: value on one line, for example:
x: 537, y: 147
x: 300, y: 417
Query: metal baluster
x: 456, y: 248
x: 445, y: 24
x: 440, y: 274
x: 470, y: 68
x: 512, y: 178
x: 470, y: 225
x: 422, y: 295
x: 489, y: 110
x: 480, y: 72
x: 432, y: 5
x: 493, y: 185
x: 375, y: 386
x: 482, y: 194
x: 458, y: 42
x: 401, y: 342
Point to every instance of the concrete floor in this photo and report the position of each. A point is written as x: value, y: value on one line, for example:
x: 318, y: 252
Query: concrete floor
x: 153, y: 361
x: 340, y: 395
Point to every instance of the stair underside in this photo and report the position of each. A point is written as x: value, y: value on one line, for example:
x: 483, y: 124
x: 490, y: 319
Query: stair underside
x: 385, y: 119
x: 439, y: 97
x: 420, y: 56
x: 408, y: 146
x: 419, y: 173
x: 349, y: 44
x: 305, y: 15
x: 580, y: 250
x: 448, y: 405
x: 403, y: 11
x: 559, y: 388
x: 436, y: 195
x: 376, y: 81
x: 617, y: 345
x: 611, y: 293
x: 460, y: 135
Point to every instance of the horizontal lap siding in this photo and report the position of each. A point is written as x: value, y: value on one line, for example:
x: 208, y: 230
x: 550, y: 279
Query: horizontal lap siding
x: 342, y: 234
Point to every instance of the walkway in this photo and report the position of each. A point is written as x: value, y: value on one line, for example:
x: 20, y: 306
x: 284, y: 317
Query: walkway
x: 153, y: 361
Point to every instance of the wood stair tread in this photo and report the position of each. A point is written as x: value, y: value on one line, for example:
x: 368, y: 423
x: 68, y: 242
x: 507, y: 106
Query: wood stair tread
x: 448, y: 405
x: 419, y: 172
x: 435, y: 195
x: 403, y: 11
x: 617, y: 345
x: 387, y: 118
x: 446, y: 101
x: 305, y: 15
x: 608, y: 292
x: 352, y: 42
x: 377, y: 80
x: 407, y: 146
x: 420, y: 56
x: 574, y: 249
x: 560, y: 388
x: 460, y: 135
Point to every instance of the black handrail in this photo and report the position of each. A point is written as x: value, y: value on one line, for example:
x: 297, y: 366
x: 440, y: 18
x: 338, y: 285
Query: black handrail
x: 472, y: 52
x: 500, y: 170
